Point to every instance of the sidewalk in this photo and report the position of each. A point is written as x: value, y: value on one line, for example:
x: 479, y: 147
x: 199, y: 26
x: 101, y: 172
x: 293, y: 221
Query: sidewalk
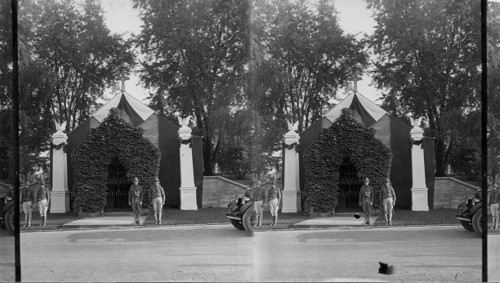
x: 108, y: 220
x: 217, y: 216
x: 342, y: 220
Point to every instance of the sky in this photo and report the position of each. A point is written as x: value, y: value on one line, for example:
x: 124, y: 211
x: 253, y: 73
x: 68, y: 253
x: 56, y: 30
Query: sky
x: 354, y: 18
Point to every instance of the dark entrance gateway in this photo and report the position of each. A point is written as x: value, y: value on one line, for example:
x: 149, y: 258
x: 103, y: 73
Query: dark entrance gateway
x: 349, y: 186
x: 118, y: 186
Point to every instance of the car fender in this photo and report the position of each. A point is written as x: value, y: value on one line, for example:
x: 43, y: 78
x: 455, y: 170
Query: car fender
x: 476, y: 207
x: 246, y: 206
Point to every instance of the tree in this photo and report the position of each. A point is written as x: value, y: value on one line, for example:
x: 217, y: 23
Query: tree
x: 67, y: 58
x: 80, y: 54
x: 493, y: 123
x: 195, y: 52
x: 6, y: 150
x: 428, y: 60
x: 300, y: 57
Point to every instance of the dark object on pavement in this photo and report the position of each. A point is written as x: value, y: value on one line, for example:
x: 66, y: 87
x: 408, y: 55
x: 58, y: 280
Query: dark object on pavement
x: 470, y: 213
x: 357, y: 216
x: 385, y: 269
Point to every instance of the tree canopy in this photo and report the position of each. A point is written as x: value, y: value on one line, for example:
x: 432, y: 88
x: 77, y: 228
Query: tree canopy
x: 67, y: 58
x: 493, y: 123
x: 195, y: 52
x: 6, y: 150
x: 428, y: 62
x: 269, y: 61
x: 301, y: 57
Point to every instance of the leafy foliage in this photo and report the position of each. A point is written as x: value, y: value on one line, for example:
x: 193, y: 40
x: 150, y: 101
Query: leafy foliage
x: 345, y: 138
x: 235, y: 160
x: 79, y: 55
x: 6, y: 150
x: 112, y: 138
x: 300, y: 56
x: 428, y: 59
x: 67, y: 56
x: 195, y: 54
x: 493, y: 48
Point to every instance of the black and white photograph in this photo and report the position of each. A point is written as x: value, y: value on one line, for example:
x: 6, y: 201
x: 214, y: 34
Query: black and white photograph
x: 7, y: 173
x: 493, y: 142
x: 250, y: 140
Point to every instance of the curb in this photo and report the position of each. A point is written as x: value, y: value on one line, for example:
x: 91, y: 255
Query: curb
x: 367, y: 227
x: 285, y: 227
x: 64, y: 227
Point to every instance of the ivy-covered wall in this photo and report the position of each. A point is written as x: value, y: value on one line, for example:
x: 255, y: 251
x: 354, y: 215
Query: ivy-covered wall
x: 113, y: 138
x: 344, y: 138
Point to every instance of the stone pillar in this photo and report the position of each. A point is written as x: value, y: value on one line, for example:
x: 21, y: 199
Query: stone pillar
x: 188, y: 188
x: 419, y: 191
x: 291, y: 182
x: 59, y: 194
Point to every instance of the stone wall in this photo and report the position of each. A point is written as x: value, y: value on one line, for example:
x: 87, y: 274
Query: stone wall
x: 219, y: 191
x: 450, y: 192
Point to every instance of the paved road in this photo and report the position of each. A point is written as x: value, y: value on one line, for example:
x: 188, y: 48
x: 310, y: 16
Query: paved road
x: 221, y: 253
x: 494, y: 257
x: 7, y: 257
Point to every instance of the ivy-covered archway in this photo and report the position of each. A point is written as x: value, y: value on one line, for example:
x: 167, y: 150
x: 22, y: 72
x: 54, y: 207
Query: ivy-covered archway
x: 113, y: 138
x: 345, y: 138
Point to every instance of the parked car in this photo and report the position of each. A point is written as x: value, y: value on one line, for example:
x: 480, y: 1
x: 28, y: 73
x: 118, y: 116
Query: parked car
x: 470, y: 213
x: 7, y: 210
x: 241, y: 212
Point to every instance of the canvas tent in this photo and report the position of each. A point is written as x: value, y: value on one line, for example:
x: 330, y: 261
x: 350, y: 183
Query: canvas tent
x: 390, y: 130
x: 161, y: 132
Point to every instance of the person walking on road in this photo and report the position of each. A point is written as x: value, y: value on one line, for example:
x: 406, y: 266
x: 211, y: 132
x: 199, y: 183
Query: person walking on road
x: 388, y: 201
x: 366, y: 199
x: 274, y: 197
x: 495, y: 206
x: 27, y: 200
x: 157, y: 200
x: 258, y: 202
x: 135, y: 197
x: 43, y: 200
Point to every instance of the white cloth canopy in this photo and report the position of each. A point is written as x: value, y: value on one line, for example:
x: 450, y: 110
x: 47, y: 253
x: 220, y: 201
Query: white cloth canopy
x: 142, y: 110
x: 375, y: 111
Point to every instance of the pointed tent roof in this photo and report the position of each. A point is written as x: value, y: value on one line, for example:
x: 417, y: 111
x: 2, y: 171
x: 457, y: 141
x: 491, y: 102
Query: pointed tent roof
x: 369, y: 111
x: 137, y: 111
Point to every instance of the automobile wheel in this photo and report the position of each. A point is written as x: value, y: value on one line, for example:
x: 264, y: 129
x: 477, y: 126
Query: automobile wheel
x: 476, y: 222
x: 237, y: 224
x: 467, y: 225
x: 249, y: 220
x: 9, y: 220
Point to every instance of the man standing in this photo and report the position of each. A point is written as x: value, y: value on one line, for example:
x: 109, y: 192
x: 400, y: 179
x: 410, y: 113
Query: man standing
x: 43, y: 199
x: 495, y: 207
x: 258, y: 202
x: 135, y: 197
x: 366, y: 199
x: 388, y: 201
x: 274, y: 197
x: 27, y: 199
x: 157, y: 200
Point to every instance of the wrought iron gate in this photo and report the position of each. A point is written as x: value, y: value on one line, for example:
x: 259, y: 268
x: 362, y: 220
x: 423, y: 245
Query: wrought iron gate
x: 349, y: 186
x: 118, y: 186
